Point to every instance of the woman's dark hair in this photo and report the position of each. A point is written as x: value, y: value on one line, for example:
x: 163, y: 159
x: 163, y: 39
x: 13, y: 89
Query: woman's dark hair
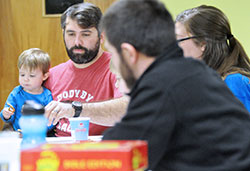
x: 223, y: 52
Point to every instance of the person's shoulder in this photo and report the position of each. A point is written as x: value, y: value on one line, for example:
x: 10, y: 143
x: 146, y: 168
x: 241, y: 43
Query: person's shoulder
x: 179, y: 68
x: 103, y: 60
x: 59, y: 66
x: 17, y: 89
x: 196, y: 62
x: 47, y: 96
x: 238, y: 82
x: 237, y: 78
x: 106, y: 54
x: 46, y: 91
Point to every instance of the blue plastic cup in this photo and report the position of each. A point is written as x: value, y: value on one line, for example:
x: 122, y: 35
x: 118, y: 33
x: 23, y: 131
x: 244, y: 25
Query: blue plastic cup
x: 33, y: 130
x: 33, y: 124
x: 79, y: 128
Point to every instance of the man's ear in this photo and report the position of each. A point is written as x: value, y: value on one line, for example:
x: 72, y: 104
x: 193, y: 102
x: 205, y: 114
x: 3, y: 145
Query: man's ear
x: 101, y: 37
x: 129, y: 52
x: 45, y: 76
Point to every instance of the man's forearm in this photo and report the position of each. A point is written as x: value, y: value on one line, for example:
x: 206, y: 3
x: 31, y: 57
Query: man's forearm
x: 106, y: 113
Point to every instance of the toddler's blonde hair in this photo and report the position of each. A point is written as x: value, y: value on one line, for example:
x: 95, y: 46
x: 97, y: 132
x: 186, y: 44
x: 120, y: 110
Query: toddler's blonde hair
x: 34, y: 58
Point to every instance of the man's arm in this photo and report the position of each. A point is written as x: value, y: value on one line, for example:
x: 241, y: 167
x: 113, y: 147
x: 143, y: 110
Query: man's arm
x: 105, y: 113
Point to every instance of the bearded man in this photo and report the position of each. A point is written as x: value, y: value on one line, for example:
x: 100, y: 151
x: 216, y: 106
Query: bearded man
x: 84, y: 85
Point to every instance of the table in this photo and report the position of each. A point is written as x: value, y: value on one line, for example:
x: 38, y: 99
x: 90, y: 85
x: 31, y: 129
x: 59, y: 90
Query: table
x: 66, y: 140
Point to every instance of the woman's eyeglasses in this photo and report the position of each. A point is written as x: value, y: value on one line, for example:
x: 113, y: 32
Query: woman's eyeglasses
x: 187, y: 38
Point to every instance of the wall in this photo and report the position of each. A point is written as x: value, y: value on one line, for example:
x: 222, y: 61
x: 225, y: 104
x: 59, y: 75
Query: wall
x: 237, y: 12
x: 22, y: 27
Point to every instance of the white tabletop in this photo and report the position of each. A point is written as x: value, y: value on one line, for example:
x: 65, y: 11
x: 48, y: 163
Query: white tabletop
x: 68, y: 140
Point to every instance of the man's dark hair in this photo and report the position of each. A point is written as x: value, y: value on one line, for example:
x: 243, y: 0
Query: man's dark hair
x: 146, y: 24
x: 86, y: 14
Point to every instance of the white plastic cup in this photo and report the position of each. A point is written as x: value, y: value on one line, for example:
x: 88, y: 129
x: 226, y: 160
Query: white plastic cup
x: 9, y: 151
x: 79, y: 128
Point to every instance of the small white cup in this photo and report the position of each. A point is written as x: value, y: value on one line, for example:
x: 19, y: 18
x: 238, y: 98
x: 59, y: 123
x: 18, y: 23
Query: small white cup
x: 79, y: 128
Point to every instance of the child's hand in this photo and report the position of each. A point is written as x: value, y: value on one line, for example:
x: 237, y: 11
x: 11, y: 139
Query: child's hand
x: 7, y: 113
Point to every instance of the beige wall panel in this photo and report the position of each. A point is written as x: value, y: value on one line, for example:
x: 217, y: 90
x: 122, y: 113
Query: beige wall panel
x: 24, y: 27
x: 102, y: 4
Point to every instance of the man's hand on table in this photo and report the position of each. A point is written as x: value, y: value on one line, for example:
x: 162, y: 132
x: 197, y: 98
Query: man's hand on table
x: 55, y: 110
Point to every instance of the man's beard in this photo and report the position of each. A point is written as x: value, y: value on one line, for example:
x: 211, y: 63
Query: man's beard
x: 86, y: 57
x: 126, y: 73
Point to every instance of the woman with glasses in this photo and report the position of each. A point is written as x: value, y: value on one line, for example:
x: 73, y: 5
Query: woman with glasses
x: 204, y: 33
